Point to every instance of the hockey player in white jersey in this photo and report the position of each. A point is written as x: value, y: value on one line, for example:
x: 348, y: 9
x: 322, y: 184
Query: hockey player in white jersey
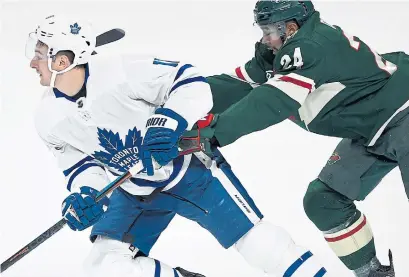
x: 93, y: 117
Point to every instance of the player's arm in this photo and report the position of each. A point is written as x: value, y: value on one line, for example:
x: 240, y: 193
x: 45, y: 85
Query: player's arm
x: 187, y: 99
x: 278, y: 98
x: 84, y: 178
x: 182, y: 96
x: 172, y: 85
x: 84, y: 175
x: 228, y: 89
x: 78, y: 168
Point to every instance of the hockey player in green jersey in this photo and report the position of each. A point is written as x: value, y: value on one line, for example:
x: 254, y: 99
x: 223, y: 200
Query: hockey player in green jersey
x: 332, y: 84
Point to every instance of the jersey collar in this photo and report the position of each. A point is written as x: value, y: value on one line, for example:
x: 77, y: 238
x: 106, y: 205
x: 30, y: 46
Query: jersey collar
x: 59, y: 94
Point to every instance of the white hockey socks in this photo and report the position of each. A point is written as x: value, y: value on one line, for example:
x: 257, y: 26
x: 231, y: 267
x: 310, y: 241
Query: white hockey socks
x: 271, y: 249
x: 110, y: 258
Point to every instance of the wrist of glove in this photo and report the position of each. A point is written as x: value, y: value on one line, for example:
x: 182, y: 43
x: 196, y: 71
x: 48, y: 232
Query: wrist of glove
x: 160, y: 142
x: 81, y: 210
x: 201, y: 137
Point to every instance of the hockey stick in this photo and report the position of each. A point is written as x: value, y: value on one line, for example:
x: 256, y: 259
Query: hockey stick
x: 108, y: 37
x: 60, y: 224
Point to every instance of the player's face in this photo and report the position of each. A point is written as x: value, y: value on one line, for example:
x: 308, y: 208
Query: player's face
x: 272, y: 42
x: 272, y: 35
x: 40, y: 63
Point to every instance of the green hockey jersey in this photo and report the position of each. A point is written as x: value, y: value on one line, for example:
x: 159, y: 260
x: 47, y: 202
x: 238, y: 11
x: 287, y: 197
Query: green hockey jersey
x: 332, y: 81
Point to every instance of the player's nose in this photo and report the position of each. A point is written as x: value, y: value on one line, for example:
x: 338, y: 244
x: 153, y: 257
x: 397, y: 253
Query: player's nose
x: 266, y: 40
x: 33, y: 63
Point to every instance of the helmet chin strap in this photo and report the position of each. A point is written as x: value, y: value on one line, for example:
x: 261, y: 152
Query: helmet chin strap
x: 55, y: 73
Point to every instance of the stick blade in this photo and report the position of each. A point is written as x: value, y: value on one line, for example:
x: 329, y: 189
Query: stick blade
x: 108, y: 37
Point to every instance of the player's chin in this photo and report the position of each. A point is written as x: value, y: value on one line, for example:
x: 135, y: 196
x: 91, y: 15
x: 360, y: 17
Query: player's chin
x: 44, y: 82
x: 275, y: 49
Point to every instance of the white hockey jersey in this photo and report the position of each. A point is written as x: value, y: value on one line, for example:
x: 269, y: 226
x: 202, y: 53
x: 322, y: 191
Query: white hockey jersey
x: 103, y: 131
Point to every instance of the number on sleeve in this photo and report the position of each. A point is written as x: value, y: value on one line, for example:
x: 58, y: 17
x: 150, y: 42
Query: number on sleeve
x: 354, y: 44
x: 383, y: 64
x: 165, y: 62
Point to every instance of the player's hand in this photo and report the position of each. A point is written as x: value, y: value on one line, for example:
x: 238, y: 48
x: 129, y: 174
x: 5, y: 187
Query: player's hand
x: 201, y: 136
x: 81, y: 210
x: 160, y: 142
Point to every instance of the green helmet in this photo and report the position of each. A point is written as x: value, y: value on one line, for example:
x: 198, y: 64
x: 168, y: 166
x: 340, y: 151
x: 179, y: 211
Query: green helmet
x: 273, y: 11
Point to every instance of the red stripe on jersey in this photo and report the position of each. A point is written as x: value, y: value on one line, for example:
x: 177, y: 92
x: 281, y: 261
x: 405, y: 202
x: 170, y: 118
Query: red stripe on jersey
x: 296, y: 82
x: 349, y: 234
x: 205, y: 122
x: 239, y: 74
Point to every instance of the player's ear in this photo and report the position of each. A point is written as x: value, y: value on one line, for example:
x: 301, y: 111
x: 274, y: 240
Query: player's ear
x: 64, y: 62
x: 61, y: 62
x: 291, y: 28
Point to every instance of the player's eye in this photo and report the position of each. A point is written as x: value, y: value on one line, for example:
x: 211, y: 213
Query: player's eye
x: 266, y: 31
x: 38, y: 57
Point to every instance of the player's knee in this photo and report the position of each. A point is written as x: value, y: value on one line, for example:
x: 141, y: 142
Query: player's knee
x: 325, y: 207
x: 114, y: 258
x: 314, y: 198
x: 271, y: 249
x: 262, y: 241
x: 110, y: 257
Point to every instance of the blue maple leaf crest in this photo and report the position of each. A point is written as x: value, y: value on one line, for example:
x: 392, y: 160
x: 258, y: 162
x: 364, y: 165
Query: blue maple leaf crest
x: 75, y: 29
x: 117, y: 154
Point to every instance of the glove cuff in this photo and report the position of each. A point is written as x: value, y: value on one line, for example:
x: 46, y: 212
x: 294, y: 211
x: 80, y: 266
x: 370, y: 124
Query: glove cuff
x: 167, y: 118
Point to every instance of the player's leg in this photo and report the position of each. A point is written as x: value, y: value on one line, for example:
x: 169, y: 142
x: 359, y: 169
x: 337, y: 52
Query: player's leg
x: 124, y: 237
x: 404, y: 169
x: 218, y: 202
x: 350, y: 174
x: 110, y: 257
x: 395, y: 144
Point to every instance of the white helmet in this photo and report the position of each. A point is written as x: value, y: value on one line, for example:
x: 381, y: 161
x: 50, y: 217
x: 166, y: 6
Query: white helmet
x: 65, y: 34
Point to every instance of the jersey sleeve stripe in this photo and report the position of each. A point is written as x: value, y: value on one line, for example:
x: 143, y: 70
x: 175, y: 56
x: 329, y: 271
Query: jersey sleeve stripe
x: 299, y: 81
x: 78, y: 164
x: 239, y: 74
x: 318, y: 99
x: 182, y: 70
x: 296, y: 92
x: 77, y: 172
x: 246, y: 75
x: 188, y: 81
x: 242, y: 74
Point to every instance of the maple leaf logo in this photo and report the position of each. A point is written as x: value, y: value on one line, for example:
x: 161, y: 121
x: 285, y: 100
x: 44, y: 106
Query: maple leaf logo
x: 75, y: 29
x: 117, y: 154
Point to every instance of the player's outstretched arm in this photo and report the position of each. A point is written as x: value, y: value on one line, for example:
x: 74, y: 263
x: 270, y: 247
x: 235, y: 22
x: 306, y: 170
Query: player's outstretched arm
x: 302, y: 70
